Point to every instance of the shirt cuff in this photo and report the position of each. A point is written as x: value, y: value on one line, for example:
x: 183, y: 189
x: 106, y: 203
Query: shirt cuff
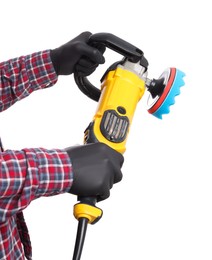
x: 52, y: 170
x: 40, y: 70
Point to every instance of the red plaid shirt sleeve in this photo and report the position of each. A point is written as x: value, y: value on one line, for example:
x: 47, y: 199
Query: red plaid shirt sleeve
x: 29, y: 174
x: 21, y: 76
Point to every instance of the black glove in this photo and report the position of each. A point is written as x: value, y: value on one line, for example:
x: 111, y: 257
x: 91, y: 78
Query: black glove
x: 77, y: 55
x: 96, y: 167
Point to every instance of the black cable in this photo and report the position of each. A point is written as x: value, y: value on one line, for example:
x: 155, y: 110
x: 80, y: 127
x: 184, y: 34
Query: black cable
x: 81, y: 232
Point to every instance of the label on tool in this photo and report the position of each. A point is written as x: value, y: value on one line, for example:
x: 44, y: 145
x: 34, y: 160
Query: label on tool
x: 113, y: 126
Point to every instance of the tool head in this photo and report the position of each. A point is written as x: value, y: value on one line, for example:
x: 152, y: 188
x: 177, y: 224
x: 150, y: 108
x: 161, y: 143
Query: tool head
x: 163, y: 91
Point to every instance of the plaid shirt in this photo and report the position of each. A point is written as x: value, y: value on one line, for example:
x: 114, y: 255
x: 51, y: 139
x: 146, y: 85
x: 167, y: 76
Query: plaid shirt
x: 29, y: 173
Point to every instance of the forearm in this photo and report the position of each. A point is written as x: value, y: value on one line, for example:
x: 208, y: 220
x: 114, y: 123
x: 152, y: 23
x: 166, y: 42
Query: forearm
x: 29, y: 174
x: 21, y: 76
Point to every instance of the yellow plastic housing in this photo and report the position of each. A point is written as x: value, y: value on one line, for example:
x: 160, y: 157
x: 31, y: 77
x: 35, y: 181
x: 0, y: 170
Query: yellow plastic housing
x: 120, y: 88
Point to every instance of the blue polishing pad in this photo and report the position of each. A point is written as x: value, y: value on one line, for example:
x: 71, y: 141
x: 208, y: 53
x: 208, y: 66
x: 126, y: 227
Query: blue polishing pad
x: 174, y: 81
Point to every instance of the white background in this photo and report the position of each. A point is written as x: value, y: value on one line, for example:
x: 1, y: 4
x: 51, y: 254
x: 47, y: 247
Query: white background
x: 162, y: 207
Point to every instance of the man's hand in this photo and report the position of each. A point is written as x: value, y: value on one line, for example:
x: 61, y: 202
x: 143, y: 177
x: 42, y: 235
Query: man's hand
x: 96, y: 167
x: 77, y: 55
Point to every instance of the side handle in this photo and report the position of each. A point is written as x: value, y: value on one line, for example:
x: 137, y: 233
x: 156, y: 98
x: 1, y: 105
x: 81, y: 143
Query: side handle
x: 116, y: 44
